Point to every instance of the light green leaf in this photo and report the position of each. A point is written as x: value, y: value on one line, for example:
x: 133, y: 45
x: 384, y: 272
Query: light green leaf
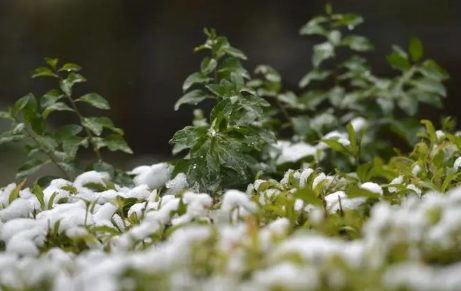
x: 416, y: 49
x: 432, y: 70
x: 52, y: 62
x: 96, y: 125
x: 95, y: 100
x: 314, y: 27
x: 116, y: 142
x: 43, y: 72
x: 69, y: 67
x: 430, y: 85
x: 67, y: 131
x: 235, y: 53
x: 218, y: 90
x: 349, y: 20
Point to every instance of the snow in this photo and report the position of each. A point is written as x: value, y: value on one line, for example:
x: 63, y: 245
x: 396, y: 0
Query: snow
x: 359, y: 123
x: 19, y: 208
x: 457, y: 164
x: 235, y: 198
x: 416, y: 170
x: 154, y: 176
x: 372, y: 187
x: 91, y: 177
x: 293, y: 152
x: 398, y: 180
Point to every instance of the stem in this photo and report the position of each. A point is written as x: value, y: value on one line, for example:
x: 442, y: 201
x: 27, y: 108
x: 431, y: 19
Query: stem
x: 285, y: 113
x: 80, y: 117
x: 48, y: 153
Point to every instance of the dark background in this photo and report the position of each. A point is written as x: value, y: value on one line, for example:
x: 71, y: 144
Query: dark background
x: 137, y: 53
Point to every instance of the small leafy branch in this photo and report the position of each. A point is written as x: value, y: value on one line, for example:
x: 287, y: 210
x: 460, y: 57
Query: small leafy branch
x: 43, y: 145
x: 224, y: 153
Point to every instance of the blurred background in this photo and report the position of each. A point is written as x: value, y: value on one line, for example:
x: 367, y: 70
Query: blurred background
x: 137, y: 53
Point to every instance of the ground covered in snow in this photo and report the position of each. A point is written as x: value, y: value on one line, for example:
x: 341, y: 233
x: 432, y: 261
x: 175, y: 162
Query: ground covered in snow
x: 91, y: 234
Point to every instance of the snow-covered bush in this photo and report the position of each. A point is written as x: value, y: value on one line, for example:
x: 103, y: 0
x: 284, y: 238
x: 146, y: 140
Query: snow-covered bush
x: 330, y: 209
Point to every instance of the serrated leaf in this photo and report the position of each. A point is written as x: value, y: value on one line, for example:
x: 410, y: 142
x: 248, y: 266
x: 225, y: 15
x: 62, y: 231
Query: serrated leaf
x: 432, y: 70
x: 43, y: 72
x: 357, y: 43
x: 70, y: 67
x: 322, y: 52
x: 187, y: 137
x: 416, y: 49
x: 58, y: 106
x: 195, y: 78
x: 193, y: 97
x: 208, y: 65
x: 30, y: 167
x: 95, y: 100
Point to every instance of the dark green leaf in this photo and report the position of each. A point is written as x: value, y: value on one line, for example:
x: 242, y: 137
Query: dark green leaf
x: 22, y: 103
x: 95, y: 100
x: 430, y: 85
x: 58, y: 106
x: 96, y: 125
x: 416, y: 49
x: 187, y: 137
x: 67, y: 131
x: 5, y: 115
x: 195, y: 78
x: 432, y: 70
x: 232, y: 65
x: 398, y: 59
x: 314, y: 27
x: 44, y: 71
x: 349, y: 20
x: 218, y: 90
x: 193, y: 97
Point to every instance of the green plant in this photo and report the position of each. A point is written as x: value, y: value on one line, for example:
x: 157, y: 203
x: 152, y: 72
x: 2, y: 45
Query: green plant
x: 224, y: 153
x: 60, y: 146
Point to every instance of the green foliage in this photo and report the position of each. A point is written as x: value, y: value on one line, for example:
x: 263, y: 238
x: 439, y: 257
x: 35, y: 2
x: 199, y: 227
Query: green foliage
x: 60, y: 146
x: 224, y: 152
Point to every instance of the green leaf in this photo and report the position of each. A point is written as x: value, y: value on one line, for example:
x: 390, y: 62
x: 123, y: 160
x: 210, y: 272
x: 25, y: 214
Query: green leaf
x: 193, y: 97
x: 353, y: 138
x: 316, y: 74
x: 15, y: 193
x: 95, y: 100
x: 354, y: 191
x: 69, y: 67
x: 67, y: 131
x: 50, y: 98
x: 67, y: 84
x: 430, y: 85
x: 349, y: 20
x: 195, y: 78
x: 5, y: 115
x: 38, y: 192
x: 58, y: 106
x: 116, y: 142
x: 10, y: 137
x: 314, y: 27
x: 208, y: 65
x: 432, y: 70
x: 308, y: 196
x: 235, y: 53
x: 357, y: 43
x: 328, y: 9
x: 43, y: 72
x: 336, y: 146
x: 52, y: 62
x: 232, y: 65
x: 322, y: 52
x: 416, y: 49
x: 22, y: 103
x: 398, y: 59
x: 51, y: 201
x: 218, y: 90
x: 30, y: 167
x: 187, y: 137
x: 96, y: 125
x: 430, y: 129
